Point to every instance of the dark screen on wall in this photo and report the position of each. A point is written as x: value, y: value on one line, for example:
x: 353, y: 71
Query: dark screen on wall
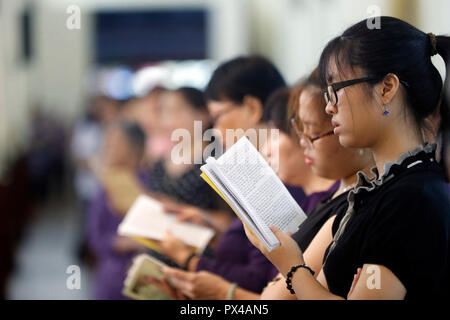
x: 143, y: 36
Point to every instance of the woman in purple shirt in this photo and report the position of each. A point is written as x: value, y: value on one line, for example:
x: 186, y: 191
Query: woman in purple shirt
x: 123, y: 150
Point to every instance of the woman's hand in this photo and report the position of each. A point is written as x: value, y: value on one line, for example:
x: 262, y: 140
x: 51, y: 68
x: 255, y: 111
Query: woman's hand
x: 193, y: 215
x: 285, y: 256
x: 172, y: 206
x: 186, y: 213
x: 201, y: 285
x: 175, y: 248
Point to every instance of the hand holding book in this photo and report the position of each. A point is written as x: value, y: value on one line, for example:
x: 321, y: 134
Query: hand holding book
x: 146, y: 281
x: 201, y: 285
x: 283, y: 257
x: 164, y: 285
x: 146, y: 221
x: 248, y: 184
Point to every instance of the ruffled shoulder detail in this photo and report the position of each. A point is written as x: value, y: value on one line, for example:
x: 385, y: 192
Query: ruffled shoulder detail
x: 426, y: 147
x: 365, y: 183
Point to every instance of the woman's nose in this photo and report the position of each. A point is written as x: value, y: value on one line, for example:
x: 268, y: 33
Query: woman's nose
x: 330, y: 109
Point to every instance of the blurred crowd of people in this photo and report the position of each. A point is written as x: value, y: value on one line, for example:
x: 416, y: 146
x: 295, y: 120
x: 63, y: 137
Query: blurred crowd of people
x: 243, y: 93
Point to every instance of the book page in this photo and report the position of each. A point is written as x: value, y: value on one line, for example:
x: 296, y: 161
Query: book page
x: 258, y: 187
x: 232, y: 200
x: 147, y: 219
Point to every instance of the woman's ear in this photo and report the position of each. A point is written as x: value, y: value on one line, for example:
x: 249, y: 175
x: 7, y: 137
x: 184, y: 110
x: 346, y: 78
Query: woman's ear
x: 389, y: 87
x: 254, y: 109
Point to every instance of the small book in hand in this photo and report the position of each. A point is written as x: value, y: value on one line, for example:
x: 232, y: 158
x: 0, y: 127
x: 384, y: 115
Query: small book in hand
x: 146, y: 221
x: 137, y: 284
x: 243, y: 178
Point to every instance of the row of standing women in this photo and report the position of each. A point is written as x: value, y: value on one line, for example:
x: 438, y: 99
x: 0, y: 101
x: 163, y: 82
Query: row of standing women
x: 357, y: 150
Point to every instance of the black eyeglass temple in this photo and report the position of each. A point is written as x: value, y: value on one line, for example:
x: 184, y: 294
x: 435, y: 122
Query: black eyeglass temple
x: 343, y: 84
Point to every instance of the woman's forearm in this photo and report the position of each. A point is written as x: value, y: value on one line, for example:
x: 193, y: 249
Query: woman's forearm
x: 277, y: 291
x: 306, y: 287
x: 192, y: 266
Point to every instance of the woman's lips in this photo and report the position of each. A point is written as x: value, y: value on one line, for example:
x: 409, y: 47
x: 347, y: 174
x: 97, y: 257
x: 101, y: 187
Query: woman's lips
x: 336, y: 126
x: 308, y: 160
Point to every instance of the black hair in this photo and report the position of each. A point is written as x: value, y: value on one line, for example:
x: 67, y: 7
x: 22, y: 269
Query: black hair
x: 247, y: 75
x: 399, y: 48
x: 194, y: 97
x: 276, y: 109
x: 445, y: 150
x: 134, y: 134
x: 310, y: 81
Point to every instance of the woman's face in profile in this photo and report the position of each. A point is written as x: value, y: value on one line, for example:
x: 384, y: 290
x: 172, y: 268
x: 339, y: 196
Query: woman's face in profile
x: 357, y: 117
x: 285, y: 156
x: 326, y: 156
x: 177, y: 113
x: 116, y: 151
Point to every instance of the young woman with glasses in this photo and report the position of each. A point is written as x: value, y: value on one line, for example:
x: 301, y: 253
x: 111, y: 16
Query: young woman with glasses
x: 393, y: 240
x: 328, y: 159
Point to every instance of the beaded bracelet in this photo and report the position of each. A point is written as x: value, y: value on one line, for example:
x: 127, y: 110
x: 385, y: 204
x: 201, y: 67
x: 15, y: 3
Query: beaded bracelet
x: 291, y: 273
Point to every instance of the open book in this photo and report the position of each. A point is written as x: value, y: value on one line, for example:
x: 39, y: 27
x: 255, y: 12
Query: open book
x: 137, y: 285
x: 122, y: 187
x: 253, y: 190
x: 147, y: 221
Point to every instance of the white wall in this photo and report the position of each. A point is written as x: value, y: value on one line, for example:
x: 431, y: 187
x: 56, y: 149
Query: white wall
x: 294, y: 32
x: 435, y: 17
x: 13, y: 84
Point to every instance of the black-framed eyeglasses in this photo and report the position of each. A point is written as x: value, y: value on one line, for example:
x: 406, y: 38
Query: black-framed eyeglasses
x: 309, y: 140
x: 331, y: 94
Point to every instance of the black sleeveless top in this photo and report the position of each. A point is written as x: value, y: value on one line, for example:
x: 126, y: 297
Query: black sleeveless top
x: 402, y: 222
x: 317, y: 217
